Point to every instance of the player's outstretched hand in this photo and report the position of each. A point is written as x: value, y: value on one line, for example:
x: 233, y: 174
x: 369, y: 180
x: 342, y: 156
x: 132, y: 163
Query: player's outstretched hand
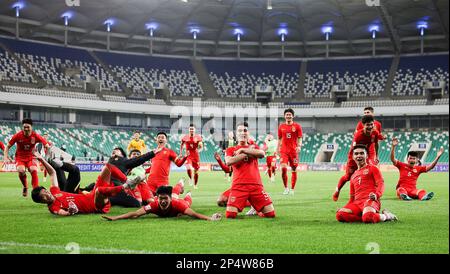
x: 216, y: 217
x: 108, y: 218
x: 394, y: 142
x: 336, y: 196
x: 216, y: 156
x: 37, y: 154
x: 440, y: 152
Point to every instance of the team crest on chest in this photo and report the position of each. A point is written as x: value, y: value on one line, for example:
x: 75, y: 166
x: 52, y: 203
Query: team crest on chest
x: 365, y: 172
x: 293, y: 129
x: 415, y: 170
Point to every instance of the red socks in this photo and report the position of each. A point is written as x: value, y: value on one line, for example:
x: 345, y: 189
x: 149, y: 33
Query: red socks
x: 371, y: 218
x: 177, y: 189
x: 110, y: 191
x: 421, y: 193
x: 116, y: 173
x: 230, y: 215
x: 23, y: 179
x: 188, y: 199
x: 269, y: 172
x: 195, y: 178
x: 34, y: 179
x: 284, y: 176
x: 189, y: 172
x: 345, y: 217
x: 294, y: 179
x: 270, y: 214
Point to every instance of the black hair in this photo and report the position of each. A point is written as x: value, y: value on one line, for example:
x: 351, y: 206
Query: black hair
x: 137, y: 131
x: 413, y: 154
x: 27, y: 121
x: 35, y: 194
x: 121, y: 150
x: 290, y: 110
x: 369, y: 108
x: 360, y: 146
x: 191, y: 125
x: 164, y: 190
x: 244, y: 123
x: 133, y: 150
x: 367, y: 119
x: 161, y: 133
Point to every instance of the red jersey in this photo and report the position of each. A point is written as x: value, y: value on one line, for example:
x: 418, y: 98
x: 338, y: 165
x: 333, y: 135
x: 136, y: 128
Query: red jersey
x: 177, y: 207
x: 409, y: 175
x: 84, y: 203
x: 159, y: 172
x: 376, y: 124
x: 25, y: 144
x: 191, y: 143
x: 245, y: 172
x: 2, y: 146
x: 365, y: 181
x: 289, y: 135
x: 362, y: 139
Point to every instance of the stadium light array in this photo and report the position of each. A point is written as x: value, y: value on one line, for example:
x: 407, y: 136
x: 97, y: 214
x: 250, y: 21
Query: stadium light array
x: 422, y: 26
x: 109, y: 23
x: 327, y: 30
x: 17, y: 7
x: 374, y: 29
x: 194, y: 32
x: 238, y: 33
x: 151, y: 27
x: 67, y: 16
x: 282, y: 33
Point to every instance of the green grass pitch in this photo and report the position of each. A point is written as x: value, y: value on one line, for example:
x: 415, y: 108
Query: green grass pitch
x: 305, y: 223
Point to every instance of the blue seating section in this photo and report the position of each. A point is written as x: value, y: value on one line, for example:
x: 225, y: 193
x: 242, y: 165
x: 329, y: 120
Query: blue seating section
x: 414, y: 72
x: 138, y: 73
x: 10, y: 70
x: 367, y: 76
x: 238, y: 79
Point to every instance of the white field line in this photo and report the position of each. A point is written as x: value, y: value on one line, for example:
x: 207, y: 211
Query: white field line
x: 76, y: 249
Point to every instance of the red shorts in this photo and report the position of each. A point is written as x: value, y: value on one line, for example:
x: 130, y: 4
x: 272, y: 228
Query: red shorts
x: 27, y: 163
x: 410, y: 191
x: 289, y: 158
x: 153, y: 186
x: 194, y: 162
x: 357, y: 207
x: 271, y: 161
x: 255, y: 194
x: 87, y: 204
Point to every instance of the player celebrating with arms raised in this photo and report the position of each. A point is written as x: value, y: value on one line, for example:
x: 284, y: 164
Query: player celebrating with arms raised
x: 290, y: 137
x: 26, y: 139
x: 409, y: 173
x: 192, y: 143
x: 366, y: 189
x: 247, y: 184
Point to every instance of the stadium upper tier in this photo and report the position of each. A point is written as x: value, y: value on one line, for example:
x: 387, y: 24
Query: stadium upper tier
x: 102, y: 141
x: 59, y: 66
x: 238, y: 79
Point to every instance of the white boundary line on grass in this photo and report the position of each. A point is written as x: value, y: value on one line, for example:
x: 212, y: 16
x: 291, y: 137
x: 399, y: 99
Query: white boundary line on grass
x: 69, y: 248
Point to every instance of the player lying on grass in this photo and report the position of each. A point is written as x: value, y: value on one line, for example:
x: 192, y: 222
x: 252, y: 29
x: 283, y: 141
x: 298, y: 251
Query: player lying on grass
x: 367, y: 137
x: 410, y: 172
x: 366, y: 189
x: 166, y: 206
x: 247, y: 183
x: 97, y: 201
x: 25, y: 141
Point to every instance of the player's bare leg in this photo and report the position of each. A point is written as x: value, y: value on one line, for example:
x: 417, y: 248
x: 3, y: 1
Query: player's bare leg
x: 23, y: 179
x: 268, y: 211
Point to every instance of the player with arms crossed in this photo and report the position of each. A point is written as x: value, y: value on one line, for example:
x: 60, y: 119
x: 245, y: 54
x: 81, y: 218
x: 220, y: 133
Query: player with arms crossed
x: 366, y: 189
x: 290, y: 137
x: 166, y: 206
x: 26, y: 140
x: 247, y: 184
x: 67, y: 204
x: 373, y: 149
x: 192, y: 143
x: 410, y: 172
x: 367, y: 137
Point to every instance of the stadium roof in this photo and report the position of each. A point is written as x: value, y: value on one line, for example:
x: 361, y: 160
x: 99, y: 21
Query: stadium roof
x: 217, y: 21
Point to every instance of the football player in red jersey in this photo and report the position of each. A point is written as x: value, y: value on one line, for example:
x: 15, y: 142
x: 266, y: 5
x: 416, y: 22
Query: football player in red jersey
x: 26, y: 139
x: 290, y: 136
x: 159, y: 173
x: 247, y: 183
x: 410, y: 172
x: 193, y: 143
x: 366, y: 189
x: 376, y: 125
x: 67, y: 204
x: 166, y: 206
x: 367, y: 137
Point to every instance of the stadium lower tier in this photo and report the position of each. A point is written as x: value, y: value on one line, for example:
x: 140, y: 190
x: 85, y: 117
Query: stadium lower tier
x: 90, y: 143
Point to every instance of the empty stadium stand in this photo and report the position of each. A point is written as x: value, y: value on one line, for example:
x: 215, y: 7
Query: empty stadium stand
x: 11, y: 71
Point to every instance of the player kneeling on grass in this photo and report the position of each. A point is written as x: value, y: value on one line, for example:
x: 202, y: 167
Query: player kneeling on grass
x: 166, y: 206
x: 410, y: 172
x: 366, y: 189
x: 66, y: 204
x: 247, y: 184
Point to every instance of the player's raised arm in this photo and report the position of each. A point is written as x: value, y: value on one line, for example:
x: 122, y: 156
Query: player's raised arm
x: 130, y: 215
x: 379, y: 183
x: 393, y: 147
x: 435, y: 161
x: 6, y: 153
x: 193, y: 214
x: 51, y: 171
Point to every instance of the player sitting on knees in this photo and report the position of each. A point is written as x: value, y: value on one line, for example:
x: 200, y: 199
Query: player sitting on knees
x: 166, y: 206
x: 410, y: 172
x: 366, y: 189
